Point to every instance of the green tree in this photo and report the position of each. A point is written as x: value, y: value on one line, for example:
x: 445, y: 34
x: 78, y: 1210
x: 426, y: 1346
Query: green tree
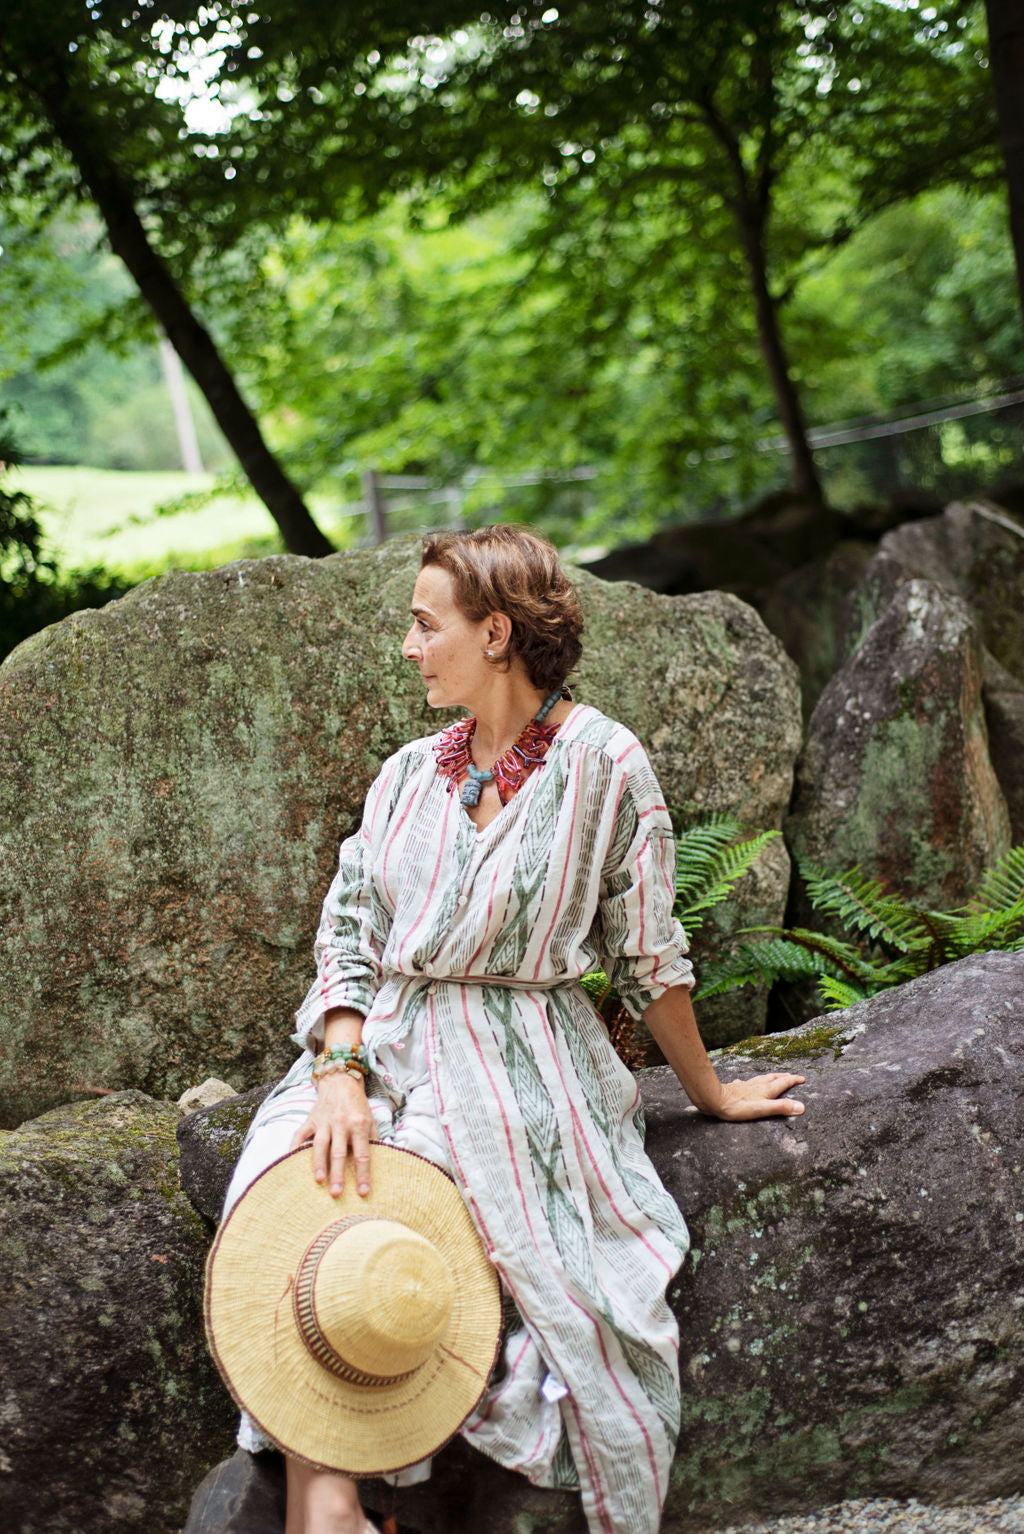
x: 84, y: 119
x: 1006, y: 45
x: 693, y: 162
x: 743, y: 115
x: 78, y: 366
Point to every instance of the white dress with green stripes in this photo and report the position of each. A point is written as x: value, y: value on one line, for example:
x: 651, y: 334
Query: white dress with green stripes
x: 464, y: 949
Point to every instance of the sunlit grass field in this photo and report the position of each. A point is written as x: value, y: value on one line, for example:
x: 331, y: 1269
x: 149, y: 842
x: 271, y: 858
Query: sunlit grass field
x: 103, y: 517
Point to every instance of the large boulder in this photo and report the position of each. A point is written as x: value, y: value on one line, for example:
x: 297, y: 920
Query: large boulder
x: 1004, y: 715
x: 110, y: 1408
x: 804, y: 609
x: 895, y: 773
x: 849, y: 1314
x: 746, y: 555
x: 176, y: 771
x: 974, y: 550
x: 850, y: 1310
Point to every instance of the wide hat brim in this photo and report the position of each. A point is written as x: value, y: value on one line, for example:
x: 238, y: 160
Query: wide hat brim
x: 309, y: 1412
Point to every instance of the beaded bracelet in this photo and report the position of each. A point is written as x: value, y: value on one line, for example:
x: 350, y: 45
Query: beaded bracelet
x: 342, y: 1057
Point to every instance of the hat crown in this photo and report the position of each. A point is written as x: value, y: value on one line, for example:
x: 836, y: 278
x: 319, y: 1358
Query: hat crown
x: 372, y: 1297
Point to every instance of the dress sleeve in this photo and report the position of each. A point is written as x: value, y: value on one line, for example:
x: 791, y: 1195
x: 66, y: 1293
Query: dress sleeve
x: 642, y: 943
x: 348, y: 948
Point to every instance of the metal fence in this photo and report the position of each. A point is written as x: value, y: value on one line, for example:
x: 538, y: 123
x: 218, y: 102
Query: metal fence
x: 948, y: 448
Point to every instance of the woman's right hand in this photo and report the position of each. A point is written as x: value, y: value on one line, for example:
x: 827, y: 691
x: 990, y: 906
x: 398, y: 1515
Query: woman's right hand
x: 340, y: 1125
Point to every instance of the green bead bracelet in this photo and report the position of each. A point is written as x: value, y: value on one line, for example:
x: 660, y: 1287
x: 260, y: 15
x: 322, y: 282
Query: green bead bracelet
x: 342, y: 1057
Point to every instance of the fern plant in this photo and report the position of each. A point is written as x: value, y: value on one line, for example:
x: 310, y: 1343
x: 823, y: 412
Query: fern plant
x: 889, y: 940
x: 711, y: 858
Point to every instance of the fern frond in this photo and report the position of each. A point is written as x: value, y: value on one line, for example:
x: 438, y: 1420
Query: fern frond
x: 976, y: 931
x: 769, y: 961
x: 722, y: 874
x: 696, y: 850
x: 1002, y: 885
x: 861, y: 904
x: 597, y: 986
x: 837, y: 994
x: 845, y: 958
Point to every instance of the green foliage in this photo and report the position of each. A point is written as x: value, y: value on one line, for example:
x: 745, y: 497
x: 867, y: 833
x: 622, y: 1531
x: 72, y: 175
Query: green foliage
x: 33, y: 594
x: 629, y: 155
x: 710, y: 861
x: 711, y: 858
x: 890, y: 940
x: 78, y: 357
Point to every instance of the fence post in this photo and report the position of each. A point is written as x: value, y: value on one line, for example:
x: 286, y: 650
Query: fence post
x: 376, y: 513
x: 453, y: 500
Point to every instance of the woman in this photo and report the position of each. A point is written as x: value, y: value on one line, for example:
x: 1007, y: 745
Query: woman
x: 496, y: 864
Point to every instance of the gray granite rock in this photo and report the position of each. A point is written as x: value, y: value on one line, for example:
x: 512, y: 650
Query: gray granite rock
x: 974, y: 550
x: 804, y: 609
x: 895, y: 773
x: 209, y: 1144
x: 110, y: 1408
x: 850, y: 1313
x: 242, y: 1495
x: 176, y: 771
x: 1004, y: 715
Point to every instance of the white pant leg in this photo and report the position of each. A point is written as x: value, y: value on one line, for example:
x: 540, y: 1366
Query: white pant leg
x: 270, y: 1136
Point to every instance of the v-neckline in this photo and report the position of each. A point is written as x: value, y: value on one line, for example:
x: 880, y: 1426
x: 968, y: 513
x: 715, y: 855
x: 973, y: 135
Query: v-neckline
x: 480, y: 831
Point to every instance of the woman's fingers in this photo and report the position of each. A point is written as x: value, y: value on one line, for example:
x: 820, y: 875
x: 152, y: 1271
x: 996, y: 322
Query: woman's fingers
x: 325, y: 1156
x: 305, y: 1132
x: 361, y: 1157
x: 762, y: 1097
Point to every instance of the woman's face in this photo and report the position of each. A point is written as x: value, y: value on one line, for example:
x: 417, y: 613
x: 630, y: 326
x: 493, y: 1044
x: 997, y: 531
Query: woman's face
x: 447, y: 646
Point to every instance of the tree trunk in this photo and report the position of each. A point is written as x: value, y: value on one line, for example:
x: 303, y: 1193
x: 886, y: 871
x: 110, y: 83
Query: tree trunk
x: 195, y: 346
x: 804, y: 472
x: 1006, y: 52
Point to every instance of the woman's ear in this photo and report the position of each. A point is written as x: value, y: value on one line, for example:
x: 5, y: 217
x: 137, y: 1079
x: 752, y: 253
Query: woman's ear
x: 499, y: 633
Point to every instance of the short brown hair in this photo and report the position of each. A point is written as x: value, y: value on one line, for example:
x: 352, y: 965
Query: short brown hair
x: 505, y: 569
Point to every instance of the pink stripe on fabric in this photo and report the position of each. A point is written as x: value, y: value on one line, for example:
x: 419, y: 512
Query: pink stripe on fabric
x: 633, y: 746
x: 565, y: 872
x: 435, y: 875
x: 504, y: 1117
x: 641, y: 898
x: 652, y: 809
x: 600, y: 1505
x: 652, y: 1458
x: 579, y: 1130
x: 435, y: 1082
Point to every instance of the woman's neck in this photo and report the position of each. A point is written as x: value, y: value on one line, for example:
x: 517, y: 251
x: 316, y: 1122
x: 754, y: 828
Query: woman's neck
x: 502, y: 716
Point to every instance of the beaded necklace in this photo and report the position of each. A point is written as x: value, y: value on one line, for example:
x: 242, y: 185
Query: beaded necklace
x: 509, y: 772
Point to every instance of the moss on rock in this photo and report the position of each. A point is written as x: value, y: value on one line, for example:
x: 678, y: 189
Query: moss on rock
x: 112, y: 1405
x: 176, y: 771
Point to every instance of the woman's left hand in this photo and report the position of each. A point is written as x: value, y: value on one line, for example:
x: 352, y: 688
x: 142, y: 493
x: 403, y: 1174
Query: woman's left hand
x: 759, y: 1097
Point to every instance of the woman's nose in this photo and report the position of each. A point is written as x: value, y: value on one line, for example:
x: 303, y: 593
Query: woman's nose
x: 409, y: 646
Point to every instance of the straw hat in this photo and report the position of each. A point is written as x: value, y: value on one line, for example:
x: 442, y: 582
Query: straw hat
x: 358, y: 1333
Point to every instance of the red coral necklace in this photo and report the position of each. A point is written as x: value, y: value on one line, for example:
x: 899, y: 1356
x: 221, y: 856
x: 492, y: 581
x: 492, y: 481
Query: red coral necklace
x: 510, y: 771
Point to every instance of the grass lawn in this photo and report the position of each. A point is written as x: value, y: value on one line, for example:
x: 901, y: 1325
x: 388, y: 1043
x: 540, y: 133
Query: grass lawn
x: 105, y: 517
x: 109, y: 518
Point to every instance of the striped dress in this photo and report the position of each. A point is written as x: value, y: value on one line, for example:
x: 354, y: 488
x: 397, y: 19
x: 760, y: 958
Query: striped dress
x: 464, y: 949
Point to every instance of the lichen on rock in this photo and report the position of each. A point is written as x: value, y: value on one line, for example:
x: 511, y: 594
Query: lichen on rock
x: 177, y: 769
x: 112, y: 1406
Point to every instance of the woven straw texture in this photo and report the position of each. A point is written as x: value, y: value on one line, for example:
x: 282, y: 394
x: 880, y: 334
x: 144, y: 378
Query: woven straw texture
x: 266, y: 1364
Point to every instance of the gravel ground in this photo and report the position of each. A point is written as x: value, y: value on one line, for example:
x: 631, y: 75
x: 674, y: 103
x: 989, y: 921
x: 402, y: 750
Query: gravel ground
x: 875, y: 1515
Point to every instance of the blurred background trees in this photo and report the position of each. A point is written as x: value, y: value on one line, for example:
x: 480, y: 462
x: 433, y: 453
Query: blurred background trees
x: 659, y: 241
